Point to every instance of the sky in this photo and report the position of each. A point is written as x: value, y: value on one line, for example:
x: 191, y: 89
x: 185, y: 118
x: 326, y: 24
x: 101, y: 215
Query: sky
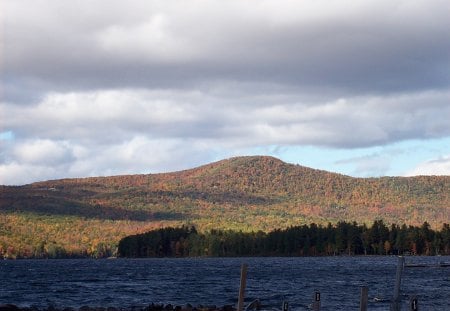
x: 102, y: 87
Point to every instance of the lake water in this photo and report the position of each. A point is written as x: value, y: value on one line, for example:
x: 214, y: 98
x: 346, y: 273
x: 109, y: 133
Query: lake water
x: 215, y: 281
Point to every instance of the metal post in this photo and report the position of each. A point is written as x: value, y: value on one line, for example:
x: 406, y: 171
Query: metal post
x: 364, y: 298
x: 316, y: 303
x: 242, y: 287
x: 396, y: 301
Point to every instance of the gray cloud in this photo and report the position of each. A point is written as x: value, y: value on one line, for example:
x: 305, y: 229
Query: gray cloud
x: 372, y: 46
x: 94, y: 88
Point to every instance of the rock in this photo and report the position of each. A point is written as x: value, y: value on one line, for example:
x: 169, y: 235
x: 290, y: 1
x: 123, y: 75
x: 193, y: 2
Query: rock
x: 254, y: 305
x: 9, y: 307
x: 150, y: 307
x: 228, y: 308
x: 154, y: 307
x: 187, y: 307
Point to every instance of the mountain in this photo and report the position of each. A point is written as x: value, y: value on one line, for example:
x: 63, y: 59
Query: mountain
x: 245, y: 193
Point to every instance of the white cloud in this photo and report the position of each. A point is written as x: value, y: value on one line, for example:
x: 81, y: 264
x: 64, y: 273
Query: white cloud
x: 40, y: 160
x: 42, y: 152
x: 18, y: 174
x: 106, y: 117
x: 439, y: 166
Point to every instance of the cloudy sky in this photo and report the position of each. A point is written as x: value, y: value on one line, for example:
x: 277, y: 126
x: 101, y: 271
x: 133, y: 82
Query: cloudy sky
x: 103, y: 87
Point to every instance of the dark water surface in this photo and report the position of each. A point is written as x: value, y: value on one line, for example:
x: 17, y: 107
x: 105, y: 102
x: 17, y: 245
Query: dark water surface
x: 208, y: 281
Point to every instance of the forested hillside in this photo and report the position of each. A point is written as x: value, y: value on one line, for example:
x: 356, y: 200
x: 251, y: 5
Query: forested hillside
x: 89, y: 216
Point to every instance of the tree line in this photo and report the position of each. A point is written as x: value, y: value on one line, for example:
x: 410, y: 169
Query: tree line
x: 343, y: 238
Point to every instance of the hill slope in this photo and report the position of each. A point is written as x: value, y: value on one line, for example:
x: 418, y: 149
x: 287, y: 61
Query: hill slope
x: 246, y: 193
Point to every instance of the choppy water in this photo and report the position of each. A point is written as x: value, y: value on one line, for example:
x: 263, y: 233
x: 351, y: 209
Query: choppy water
x: 208, y: 281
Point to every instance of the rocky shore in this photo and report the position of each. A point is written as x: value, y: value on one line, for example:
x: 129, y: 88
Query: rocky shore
x: 151, y: 307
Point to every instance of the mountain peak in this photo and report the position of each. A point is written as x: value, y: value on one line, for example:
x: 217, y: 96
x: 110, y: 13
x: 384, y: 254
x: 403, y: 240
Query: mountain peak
x: 263, y: 183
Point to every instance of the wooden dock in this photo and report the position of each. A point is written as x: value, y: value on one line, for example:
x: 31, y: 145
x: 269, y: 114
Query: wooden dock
x: 315, y: 305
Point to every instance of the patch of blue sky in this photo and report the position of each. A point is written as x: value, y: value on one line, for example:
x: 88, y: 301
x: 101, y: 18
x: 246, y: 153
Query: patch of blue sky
x: 396, y: 159
x: 7, y: 135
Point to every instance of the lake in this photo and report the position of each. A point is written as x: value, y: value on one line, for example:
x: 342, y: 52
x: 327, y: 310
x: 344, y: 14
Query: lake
x: 215, y: 281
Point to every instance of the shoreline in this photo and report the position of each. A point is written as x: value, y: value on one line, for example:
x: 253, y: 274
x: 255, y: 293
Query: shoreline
x: 208, y: 257
x: 150, y: 307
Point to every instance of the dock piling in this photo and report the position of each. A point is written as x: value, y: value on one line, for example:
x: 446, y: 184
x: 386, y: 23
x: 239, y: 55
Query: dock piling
x: 396, y: 303
x: 316, y: 303
x: 364, y: 298
x: 413, y: 304
x: 242, y: 286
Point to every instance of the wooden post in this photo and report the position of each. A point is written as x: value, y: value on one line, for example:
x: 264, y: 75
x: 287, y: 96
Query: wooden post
x: 285, y: 306
x: 396, y: 301
x: 364, y: 298
x: 316, y: 303
x: 413, y: 304
x: 242, y: 286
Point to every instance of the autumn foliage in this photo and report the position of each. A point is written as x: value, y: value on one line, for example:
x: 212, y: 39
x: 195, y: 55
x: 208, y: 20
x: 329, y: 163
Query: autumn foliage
x: 89, y: 216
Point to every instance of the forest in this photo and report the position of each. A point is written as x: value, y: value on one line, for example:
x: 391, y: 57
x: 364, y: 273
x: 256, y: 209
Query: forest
x: 344, y: 238
x: 87, y: 217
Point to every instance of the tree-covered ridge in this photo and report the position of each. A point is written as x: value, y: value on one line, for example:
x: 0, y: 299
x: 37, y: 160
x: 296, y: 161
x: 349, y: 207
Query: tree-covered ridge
x: 265, y: 185
x: 307, y: 240
x: 243, y: 193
